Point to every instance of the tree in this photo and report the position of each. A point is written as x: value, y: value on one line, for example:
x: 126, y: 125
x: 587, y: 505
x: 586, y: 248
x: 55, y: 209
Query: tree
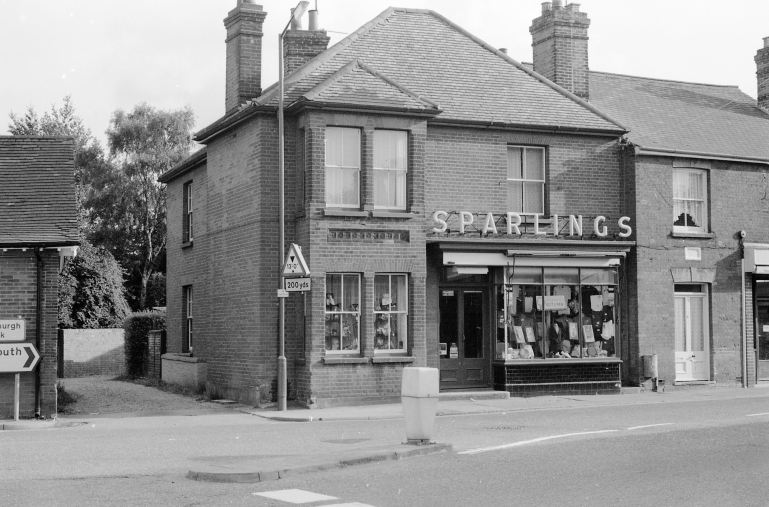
x: 91, y: 293
x: 127, y: 204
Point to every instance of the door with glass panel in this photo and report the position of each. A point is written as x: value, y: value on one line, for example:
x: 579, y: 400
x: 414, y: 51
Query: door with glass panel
x: 762, y: 338
x: 464, y: 354
x: 692, y: 338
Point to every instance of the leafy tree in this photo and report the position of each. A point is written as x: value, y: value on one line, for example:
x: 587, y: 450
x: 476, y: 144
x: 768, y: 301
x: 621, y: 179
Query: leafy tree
x: 91, y: 293
x: 127, y: 204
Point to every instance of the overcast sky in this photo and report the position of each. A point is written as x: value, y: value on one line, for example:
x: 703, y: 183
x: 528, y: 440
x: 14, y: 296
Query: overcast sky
x: 171, y: 53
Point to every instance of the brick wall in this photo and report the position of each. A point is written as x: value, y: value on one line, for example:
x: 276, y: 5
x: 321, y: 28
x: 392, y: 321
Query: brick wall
x: 737, y: 202
x: 92, y: 352
x: 18, y: 297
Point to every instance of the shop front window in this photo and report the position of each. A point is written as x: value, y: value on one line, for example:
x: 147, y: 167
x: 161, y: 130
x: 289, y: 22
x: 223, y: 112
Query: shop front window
x: 342, y: 316
x: 390, y: 313
x: 558, y: 313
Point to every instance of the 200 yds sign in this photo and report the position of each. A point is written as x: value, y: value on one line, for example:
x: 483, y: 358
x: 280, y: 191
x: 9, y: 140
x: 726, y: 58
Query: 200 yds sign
x: 297, y: 284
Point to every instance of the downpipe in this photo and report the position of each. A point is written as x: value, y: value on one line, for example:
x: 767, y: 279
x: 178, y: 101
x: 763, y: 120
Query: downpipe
x: 38, y: 330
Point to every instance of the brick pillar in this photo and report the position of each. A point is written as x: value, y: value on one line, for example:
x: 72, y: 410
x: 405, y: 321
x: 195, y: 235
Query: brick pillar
x: 244, y: 53
x: 301, y: 46
x: 559, y: 40
x: 762, y: 75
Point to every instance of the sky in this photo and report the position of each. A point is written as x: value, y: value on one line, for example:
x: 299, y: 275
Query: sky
x: 110, y: 55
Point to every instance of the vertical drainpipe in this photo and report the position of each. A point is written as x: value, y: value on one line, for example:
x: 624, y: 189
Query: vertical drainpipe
x: 38, y: 330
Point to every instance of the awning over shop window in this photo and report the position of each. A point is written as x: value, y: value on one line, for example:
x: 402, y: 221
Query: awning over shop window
x: 756, y: 258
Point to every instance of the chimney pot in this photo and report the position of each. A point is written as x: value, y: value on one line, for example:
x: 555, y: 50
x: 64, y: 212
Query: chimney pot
x: 547, y: 7
x: 766, y: 42
x: 296, y: 23
x: 314, y: 24
x: 573, y: 7
x: 557, y: 4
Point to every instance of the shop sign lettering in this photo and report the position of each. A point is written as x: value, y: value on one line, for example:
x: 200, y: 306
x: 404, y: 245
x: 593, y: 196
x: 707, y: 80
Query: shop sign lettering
x: 512, y: 224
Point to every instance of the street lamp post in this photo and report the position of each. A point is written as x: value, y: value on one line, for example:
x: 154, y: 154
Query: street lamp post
x: 297, y: 13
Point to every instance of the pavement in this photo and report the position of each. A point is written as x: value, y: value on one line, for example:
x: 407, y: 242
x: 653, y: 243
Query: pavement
x: 295, y: 461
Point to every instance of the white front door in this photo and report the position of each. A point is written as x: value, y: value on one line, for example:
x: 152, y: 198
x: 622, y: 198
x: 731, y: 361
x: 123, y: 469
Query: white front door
x: 691, y: 332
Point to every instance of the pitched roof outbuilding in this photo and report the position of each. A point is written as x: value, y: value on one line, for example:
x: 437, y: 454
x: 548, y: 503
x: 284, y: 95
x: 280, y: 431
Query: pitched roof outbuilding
x: 37, y: 191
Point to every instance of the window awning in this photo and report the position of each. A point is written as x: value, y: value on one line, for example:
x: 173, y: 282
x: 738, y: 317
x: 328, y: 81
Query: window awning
x: 534, y: 258
x: 756, y: 258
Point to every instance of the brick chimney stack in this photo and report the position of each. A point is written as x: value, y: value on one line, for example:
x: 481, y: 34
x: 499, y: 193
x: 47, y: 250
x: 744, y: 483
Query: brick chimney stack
x: 244, y: 53
x: 762, y: 75
x: 301, y: 46
x: 559, y: 39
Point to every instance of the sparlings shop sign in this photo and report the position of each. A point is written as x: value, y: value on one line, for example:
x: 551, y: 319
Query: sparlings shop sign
x: 512, y: 223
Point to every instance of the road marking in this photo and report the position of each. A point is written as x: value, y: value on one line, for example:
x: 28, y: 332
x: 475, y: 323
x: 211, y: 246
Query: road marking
x: 754, y: 415
x: 649, y: 426
x: 296, y: 496
x: 353, y: 504
x: 524, y: 442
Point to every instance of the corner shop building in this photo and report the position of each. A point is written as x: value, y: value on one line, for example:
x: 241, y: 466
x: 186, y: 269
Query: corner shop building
x: 456, y: 209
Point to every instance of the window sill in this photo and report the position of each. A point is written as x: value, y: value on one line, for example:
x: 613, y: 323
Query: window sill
x: 344, y: 360
x: 393, y: 214
x: 187, y: 244
x: 344, y: 213
x: 692, y: 235
x: 392, y: 359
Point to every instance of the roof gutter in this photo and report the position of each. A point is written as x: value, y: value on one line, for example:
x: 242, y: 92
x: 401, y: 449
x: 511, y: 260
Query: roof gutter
x: 445, y: 122
x: 673, y: 152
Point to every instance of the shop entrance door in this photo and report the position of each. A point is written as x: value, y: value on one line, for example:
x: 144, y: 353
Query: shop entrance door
x: 464, y: 349
x: 762, y: 338
x: 691, y: 333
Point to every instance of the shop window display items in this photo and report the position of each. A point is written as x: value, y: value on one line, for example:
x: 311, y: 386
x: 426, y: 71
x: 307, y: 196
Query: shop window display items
x: 342, y: 315
x: 390, y: 312
x: 556, y: 313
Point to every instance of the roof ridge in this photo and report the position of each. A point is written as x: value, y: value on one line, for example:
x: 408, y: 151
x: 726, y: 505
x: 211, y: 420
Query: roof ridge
x: 664, y: 80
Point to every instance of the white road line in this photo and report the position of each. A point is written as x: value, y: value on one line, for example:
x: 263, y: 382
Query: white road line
x: 754, y: 415
x: 524, y: 442
x: 649, y: 426
x: 295, y: 496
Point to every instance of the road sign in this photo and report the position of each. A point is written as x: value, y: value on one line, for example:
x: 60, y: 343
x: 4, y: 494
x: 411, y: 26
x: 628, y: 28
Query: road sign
x: 18, y: 357
x: 297, y: 284
x: 295, y: 264
x: 282, y: 293
x: 12, y: 330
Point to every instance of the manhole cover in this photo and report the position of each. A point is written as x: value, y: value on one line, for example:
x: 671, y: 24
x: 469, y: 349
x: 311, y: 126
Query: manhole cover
x: 346, y: 440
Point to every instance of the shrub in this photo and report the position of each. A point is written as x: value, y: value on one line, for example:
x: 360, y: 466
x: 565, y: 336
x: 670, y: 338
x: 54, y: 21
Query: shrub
x: 91, y: 294
x: 136, y: 329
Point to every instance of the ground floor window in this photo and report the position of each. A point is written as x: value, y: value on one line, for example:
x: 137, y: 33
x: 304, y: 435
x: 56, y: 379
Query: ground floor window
x: 187, y: 305
x: 342, y: 315
x: 692, y: 338
x: 552, y: 312
x: 390, y: 312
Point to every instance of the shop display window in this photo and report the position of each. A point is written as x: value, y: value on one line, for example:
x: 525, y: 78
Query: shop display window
x: 558, y: 313
x: 390, y: 312
x: 342, y: 316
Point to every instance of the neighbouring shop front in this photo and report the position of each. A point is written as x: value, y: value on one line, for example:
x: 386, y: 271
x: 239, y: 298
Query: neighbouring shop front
x: 756, y: 281
x: 528, y: 316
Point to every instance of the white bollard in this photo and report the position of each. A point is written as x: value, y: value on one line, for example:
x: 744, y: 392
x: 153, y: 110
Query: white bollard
x: 419, y: 395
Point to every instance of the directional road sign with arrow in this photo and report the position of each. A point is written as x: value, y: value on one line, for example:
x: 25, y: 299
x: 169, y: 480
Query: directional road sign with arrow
x: 18, y: 357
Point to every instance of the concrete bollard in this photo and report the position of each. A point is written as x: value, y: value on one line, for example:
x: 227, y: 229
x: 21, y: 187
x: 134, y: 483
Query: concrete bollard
x: 419, y: 395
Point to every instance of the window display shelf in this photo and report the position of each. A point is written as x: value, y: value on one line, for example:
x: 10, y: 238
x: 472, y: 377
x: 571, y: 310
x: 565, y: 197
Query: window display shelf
x: 555, y: 360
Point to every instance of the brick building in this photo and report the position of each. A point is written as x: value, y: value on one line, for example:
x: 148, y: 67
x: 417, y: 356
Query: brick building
x: 456, y: 209
x: 38, y: 226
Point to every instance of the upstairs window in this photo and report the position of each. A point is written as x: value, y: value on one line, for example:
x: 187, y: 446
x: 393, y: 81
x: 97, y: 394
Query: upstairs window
x: 342, y: 167
x: 187, y: 218
x: 526, y: 179
x: 690, y: 200
x: 390, y: 168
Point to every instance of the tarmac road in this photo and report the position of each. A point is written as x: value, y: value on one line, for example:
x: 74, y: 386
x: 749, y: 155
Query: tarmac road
x: 685, y: 448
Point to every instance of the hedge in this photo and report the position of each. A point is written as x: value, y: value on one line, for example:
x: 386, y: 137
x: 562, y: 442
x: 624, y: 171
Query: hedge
x: 136, y: 329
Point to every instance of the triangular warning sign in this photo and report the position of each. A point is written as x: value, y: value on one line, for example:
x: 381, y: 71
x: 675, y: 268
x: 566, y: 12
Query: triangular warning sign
x: 295, y: 264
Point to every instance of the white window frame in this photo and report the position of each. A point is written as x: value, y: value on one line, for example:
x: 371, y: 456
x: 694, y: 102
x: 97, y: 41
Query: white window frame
x: 187, y: 229
x: 402, y: 310
x: 188, y: 295
x: 704, y: 227
x: 524, y: 180
x: 400, y: 173
x: 330, y: 314
x: 328, y: 167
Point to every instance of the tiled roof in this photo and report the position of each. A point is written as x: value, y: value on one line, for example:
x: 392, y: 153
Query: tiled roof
x: 437, y: 60
x: 358, y: 84
x: 184, y: 166
x: 688, y: 117
x: 37, y: 191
